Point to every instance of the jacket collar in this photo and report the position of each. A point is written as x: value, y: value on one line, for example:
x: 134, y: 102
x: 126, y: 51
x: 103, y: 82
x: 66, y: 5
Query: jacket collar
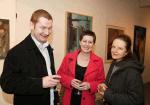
x: 40, y: 45
x: 91, y: 66
x: 93, y: 57
x: 31, y: 44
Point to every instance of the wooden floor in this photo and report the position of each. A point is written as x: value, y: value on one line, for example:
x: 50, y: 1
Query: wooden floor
x: 147, y: 93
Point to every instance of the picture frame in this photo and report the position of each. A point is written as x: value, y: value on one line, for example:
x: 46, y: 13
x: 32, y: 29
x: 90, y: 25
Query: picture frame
x: 4, y: 37
x: 76, y: 24
x: 139, y: 43
x: 112, y: 32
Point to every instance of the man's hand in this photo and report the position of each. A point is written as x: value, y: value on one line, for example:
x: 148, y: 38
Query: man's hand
x: 50, y: 81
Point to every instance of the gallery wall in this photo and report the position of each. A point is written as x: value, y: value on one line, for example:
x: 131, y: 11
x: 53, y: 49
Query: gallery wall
x: 122, y: 13
x: 8, y: 9
x: 146, y: 21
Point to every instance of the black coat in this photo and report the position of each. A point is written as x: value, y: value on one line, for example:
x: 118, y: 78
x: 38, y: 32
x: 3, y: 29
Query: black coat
x: 22, y: 74
x: 125, y: 85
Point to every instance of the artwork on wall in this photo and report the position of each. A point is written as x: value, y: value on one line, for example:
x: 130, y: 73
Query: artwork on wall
x: 139, y: 42
x: 112, y: 32
x: 4, y: 37
x: 76, y: 24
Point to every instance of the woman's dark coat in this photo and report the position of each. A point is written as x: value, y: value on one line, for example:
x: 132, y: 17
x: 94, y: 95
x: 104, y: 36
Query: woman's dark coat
x: 22, y: 74
x: 125, y: 85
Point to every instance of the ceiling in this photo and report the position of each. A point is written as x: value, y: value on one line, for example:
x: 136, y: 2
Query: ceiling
x: 144, y: 3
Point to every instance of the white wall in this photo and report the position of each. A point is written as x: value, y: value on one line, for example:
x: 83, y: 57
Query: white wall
x: 146, y: 21
x: 123, y: 13
x: 8, y: 13
x: 58, y: 9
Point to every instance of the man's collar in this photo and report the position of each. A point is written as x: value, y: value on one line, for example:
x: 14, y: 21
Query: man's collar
x: 39, y: 44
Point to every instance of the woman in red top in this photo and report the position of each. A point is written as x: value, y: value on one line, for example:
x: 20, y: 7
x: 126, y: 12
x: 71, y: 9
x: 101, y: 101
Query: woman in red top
x: 81, y: 71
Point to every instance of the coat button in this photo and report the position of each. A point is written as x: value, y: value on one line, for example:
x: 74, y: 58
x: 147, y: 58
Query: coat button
x: 83, y: 98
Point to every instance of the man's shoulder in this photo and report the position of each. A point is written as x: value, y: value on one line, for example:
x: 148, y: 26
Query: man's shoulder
x: 20, y: 47
x: 16, y: 50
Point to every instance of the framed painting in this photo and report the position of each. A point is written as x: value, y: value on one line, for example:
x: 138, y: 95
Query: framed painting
x: 139, y: 42
x: 76, y: 24
x: 112, y: 32
x: 4, y: 37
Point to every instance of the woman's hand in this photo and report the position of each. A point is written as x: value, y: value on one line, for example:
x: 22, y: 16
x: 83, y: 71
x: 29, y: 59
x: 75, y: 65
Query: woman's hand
x: 75, y: 83
x: 80, y: 85
x: 101, y: 89
x: 84, y: 86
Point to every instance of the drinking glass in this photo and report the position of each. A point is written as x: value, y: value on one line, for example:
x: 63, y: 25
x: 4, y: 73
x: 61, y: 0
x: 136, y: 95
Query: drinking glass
x: 79, y: 91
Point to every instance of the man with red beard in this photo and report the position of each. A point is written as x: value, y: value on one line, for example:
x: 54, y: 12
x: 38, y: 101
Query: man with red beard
x: 29, y: 71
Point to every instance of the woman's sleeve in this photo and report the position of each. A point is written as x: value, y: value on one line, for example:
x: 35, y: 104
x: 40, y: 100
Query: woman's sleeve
x: 63, y: 71
x: 100, y: 77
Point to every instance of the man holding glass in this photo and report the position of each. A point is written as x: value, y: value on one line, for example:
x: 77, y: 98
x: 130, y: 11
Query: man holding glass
x: 29, y: 71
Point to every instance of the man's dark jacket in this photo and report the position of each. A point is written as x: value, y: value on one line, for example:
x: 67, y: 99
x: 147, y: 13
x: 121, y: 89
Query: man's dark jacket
x: 22, y: 74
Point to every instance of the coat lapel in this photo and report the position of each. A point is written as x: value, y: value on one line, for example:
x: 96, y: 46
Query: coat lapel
x: 92, y: 64
x: 36, y: 56
x: 50, y: 51
x: 72, y: 62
